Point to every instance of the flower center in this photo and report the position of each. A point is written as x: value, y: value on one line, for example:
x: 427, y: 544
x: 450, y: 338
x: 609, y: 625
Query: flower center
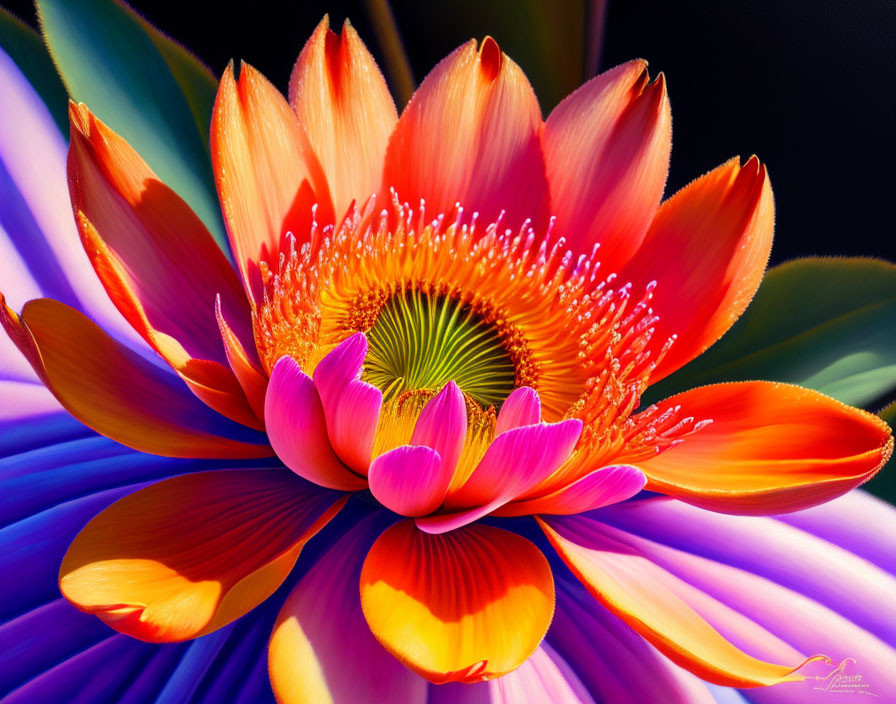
x: 422, y: 339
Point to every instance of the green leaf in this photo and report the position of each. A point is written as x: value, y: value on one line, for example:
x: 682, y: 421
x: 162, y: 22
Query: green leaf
x: 828, y: 324
x: 27, y: 49
x: 109, y: 61
x: 883, y: 484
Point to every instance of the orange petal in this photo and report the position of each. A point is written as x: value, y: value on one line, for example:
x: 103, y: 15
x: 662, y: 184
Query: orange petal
x: 471, y: 135
x: 463, y: 606
x: 244, y: 363
x: 115, y: 391
x: 707, y: 250
x: 344, y: 106
x: 771, y: 448
x: 267, y: 175
x: 630, y: 586
x: 607, y: 153
x: 157, y: 261
x: 188, y: 555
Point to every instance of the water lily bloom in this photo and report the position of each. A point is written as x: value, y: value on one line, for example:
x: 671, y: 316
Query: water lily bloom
x: 419, y: 377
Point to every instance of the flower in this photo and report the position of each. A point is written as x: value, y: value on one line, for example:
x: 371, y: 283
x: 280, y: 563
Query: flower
x: 435, y: 367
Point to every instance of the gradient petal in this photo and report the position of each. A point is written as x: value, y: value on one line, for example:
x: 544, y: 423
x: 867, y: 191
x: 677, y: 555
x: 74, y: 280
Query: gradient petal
x: 627, y: 583
x: 344, y: 106
x: 607, y: 150
x: 188, y: 555
x: 707, y: 250
x: 492, y: 161
x: 118, y: 393
x: 602, y: 487
x: 468, y: 605
x: 514, y: 463
x: 771, y: 448
x: 243, y: 360
x: 351, y: 406
x: 267, y: 175
x: 158, y: 262
x: 321, y: 649
x: 297, y: 429
x: 521, y: 407
x: 442, y: 426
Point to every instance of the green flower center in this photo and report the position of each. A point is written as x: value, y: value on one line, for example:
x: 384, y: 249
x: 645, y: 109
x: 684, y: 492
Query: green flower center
x: 422, y: 341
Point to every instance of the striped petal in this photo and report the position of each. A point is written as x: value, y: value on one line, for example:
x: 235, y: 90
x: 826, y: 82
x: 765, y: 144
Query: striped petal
x: 297, y: 429
x: 607, y: 151
x: 118, y: 393
x: 469, y: 605
x: 343, y: 104
x: 321, y: 636
x: 492, y: 162
x: 267, y: 175
x: 158, y: 262
x: 771, y: 448
x: 188, y: 555
x: 627, y: 583
x: 706, y: 249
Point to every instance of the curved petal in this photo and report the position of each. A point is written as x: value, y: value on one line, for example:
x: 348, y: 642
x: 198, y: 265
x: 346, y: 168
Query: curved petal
x: 190, y: 554
x: 410, y: 480
x: 544, y: 677
x: 35, y: 210
x: 442, y: 426
x: 492, y: 162
x: 351, y: 406
x: 627, y: 583
x: 607, y: 150
x: 344, y: 106
x: 267, y: 175
x: 514, y: 463
x: 771, y: 448
x: 707, y: 250
x: 521, y: 407
x: 297, y: 429
x: 468, y: 605
x: 602, y: 487
x: 321, y: 649
x: 144, y: 243
x: 243, y: 359
x: 115, y: 391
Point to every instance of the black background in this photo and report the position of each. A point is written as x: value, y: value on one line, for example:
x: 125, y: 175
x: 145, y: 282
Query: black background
x: 808, y: 85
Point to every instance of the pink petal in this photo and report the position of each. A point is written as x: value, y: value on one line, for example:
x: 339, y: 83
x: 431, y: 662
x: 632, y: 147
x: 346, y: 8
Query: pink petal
x: 602, y: 487
x: 351, y: 406
x: 410, y: 480
x: 522, y: 407
x: 297, y: 429
x: 514, y: 463
x: 443, y: 426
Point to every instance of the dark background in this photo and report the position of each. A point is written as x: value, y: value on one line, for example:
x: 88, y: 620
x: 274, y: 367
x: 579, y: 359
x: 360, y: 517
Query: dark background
x: 808, y: 85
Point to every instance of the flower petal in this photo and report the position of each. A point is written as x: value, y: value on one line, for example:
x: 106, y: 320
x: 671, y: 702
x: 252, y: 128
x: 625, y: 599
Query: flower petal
x: 707, y: 249
x: 469, y: 605
x: 297, y: 429
x: 514, y: 463
x: 188, y: 555
x: 602, y: 487
x: 521, y: 407
x: 267, y: 175
x: 35, y: 211
x: 351, y: 406
x: 144, y: 243
x: 115, y: 391
x: 607, y: 153
x: 344, y: 106
x: 442, y: 426
x: 243, y: 360
x: 628, y: 584
x: 771, y: 448
x: 321, y: 632
x: 492, y: 161
x: 410, y: 480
